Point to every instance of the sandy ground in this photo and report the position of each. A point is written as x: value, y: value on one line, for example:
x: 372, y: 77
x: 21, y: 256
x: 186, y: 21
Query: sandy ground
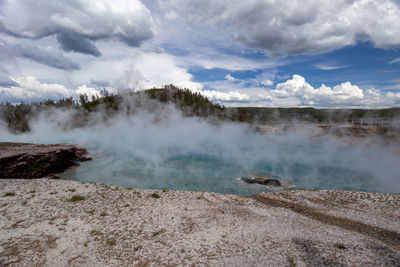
x: 41, y: 225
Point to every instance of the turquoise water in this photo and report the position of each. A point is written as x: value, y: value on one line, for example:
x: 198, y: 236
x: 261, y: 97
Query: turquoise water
x: 191, y: 154
x: 219, y: 173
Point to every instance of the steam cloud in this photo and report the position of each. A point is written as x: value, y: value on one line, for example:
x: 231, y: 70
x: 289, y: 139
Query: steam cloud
x: 157, y: 147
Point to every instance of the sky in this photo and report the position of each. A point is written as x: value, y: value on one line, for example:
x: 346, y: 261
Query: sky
x: 287, y: 53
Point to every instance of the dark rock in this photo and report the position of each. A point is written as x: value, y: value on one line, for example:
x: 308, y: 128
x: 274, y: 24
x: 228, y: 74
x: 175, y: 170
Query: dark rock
x: 261, y: 180
x: 18, y: 160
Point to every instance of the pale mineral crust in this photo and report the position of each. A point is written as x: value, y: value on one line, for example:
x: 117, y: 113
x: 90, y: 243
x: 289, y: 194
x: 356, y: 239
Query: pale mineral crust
x: 47, y: 222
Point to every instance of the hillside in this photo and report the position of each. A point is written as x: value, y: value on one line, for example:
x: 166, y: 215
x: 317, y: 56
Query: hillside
x: 18, y: 117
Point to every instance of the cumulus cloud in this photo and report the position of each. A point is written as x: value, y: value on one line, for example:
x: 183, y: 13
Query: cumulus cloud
x: 76, y: 24
x: 297, y: 87
x: 144, y: 70
x: 231, y: 96
x: 296, y: 92
x: 229, y: 77
x: 26, y: 89
x: 287, y: 27
x: 267, y: 83
x: 395, y: 97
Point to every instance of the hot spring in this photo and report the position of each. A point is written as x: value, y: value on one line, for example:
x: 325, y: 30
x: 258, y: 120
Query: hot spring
x: 180, y: 153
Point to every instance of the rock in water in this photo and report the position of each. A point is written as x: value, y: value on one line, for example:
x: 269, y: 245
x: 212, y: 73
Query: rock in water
x: 20, y: 160
x: 268, y: 182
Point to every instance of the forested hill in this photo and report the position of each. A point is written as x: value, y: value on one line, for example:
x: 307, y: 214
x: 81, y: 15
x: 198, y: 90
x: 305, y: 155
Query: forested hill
x: 17, y: 117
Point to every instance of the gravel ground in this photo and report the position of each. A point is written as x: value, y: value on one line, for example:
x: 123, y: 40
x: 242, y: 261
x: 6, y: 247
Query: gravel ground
x: 45, y: 222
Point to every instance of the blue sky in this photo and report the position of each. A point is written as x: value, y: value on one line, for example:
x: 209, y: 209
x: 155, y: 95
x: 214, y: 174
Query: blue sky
x: 342, y: 54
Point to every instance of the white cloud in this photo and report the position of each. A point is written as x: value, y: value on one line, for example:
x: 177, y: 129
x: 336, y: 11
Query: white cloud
x: 328, y: 67
x: 30, y: 89
x: 297, y: 92
x: 396, y: 60
x: 394, y: 96
x: 267, y: 83
x: 146, y: 70
x: 229, y: 77
x: 342, y: 94
x: 83, y: 89
x: 231, y: 96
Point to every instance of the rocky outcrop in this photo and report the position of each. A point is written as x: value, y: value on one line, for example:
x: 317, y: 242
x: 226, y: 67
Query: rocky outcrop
x: 270, y: 183
x: 21, y: 160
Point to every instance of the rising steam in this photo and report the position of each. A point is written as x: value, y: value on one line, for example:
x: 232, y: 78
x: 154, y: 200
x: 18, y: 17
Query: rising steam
x: 155, y: 146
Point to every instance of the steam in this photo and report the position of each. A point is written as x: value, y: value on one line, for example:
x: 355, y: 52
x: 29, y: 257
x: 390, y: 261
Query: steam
x: 155, y: 146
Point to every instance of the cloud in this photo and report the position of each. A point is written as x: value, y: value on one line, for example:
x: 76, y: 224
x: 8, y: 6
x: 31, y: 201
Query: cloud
x: 342, y: 94
x: 231, y: 96
x: 283, y: 28
x: 136, y: 69
x: 28, y: 89
x: 83, y: 89
x: 267, y: 82
x: 72, y: 41
x: 5, y: 81
x: 100, y: 83
x: 45, y: 56
x: 297, y: 92
x: 77, y: 24
x: 328, y: 67
x: 396, y: 60
x: 229, y: 77
x: 395, y: 97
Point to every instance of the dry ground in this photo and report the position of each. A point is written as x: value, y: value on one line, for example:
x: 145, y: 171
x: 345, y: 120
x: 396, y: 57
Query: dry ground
x: 43, y: 224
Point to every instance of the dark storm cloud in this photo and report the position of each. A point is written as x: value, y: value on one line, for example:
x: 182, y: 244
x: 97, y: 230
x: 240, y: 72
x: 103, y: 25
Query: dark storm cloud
x: 72, y: 41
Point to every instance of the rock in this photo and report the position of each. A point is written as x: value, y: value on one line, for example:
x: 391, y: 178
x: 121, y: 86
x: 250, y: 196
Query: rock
x: 21, y: 160
x: 268, y: 182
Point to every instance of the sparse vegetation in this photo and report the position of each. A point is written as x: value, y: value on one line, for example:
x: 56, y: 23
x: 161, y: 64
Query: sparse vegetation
x: 111, y: 242
x: 340, y: 246
x: 44, y: 158
x: 155, y: 195
x: 72, y: 190
x: 158, y: 232
x: 9, y: 194
x: 93, y: 231
x: 75, y: 198
x: 103, y: 213
x: 291, y: 262
x: 91, y: 211
x: 24, y: 202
